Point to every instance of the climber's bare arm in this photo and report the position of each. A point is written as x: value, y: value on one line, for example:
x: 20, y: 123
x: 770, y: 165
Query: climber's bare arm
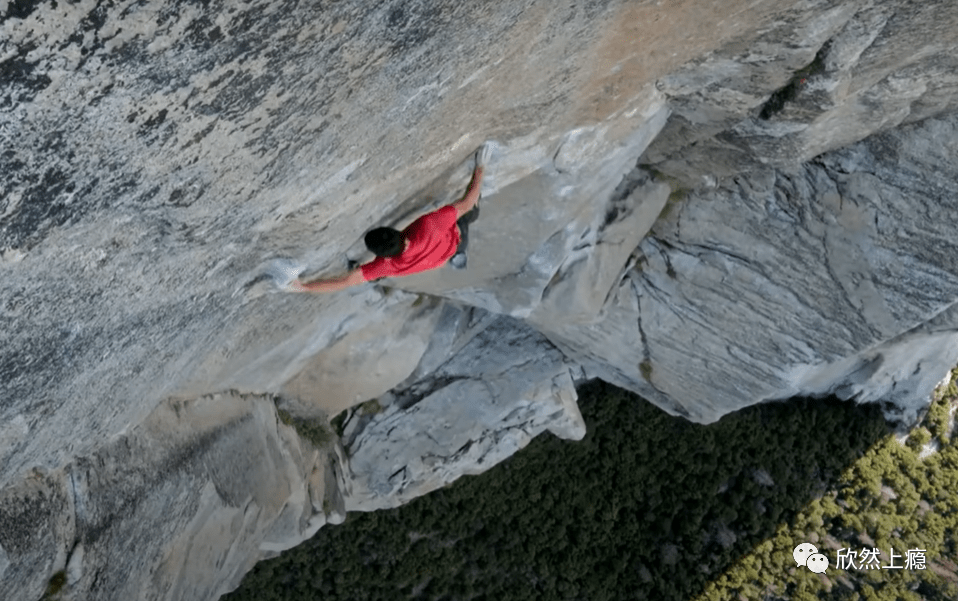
x: 471, y: 197
x: 353, y: 278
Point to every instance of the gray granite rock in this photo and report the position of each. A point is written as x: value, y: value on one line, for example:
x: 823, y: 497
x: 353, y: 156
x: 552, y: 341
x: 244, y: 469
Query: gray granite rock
x: 504, y: 386
x: 554, y: 229
x: 835, y: 277
x: 168, y: 167
x: 158, y: 160
x: 37, y: 533
x: 817, y: 80
x: 165, y: 165
x: 180, y: 507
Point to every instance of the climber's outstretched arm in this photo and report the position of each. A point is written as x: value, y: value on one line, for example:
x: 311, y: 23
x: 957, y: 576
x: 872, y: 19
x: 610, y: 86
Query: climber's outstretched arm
x: 353, y: 278
x: 471, y: 197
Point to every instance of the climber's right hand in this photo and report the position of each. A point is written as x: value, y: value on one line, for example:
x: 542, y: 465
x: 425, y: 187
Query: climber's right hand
x: 484, y: 155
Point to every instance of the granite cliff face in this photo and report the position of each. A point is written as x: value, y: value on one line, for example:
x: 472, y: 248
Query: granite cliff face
x: 711, y: 206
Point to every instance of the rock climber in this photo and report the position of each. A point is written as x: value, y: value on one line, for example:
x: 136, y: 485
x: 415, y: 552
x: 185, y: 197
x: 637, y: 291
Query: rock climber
x: 427, y: 243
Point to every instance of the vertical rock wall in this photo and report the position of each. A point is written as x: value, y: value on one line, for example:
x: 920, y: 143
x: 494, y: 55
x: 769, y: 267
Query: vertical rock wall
x: 163, y: 161
x: 175, y: 509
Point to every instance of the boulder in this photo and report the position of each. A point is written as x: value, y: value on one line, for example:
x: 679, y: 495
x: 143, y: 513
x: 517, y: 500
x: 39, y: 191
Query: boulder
x: 503, y: 386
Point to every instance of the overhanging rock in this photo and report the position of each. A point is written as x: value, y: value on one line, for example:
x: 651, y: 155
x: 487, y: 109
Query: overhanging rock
x: 836, y: 277
x: 159, y: 158
x: 504, y: 386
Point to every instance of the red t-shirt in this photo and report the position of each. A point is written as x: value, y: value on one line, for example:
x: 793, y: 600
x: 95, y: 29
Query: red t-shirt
x: 433, y: 238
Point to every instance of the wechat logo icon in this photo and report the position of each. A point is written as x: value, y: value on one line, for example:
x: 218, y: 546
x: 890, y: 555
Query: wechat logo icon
x: 806, y: 554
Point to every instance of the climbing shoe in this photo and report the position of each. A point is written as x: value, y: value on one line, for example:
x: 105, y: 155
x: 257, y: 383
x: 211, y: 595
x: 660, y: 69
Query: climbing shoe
x: 458, y: 261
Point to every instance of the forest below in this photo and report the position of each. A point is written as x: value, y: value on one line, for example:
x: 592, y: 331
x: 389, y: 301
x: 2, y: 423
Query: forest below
x: 650, y: 506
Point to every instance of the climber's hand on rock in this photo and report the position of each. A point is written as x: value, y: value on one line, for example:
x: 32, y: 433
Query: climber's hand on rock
x: 483, y: 155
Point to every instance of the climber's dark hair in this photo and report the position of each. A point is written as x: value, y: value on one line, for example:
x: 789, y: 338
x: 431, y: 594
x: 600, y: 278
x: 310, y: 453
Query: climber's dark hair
x: 384, y: 241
